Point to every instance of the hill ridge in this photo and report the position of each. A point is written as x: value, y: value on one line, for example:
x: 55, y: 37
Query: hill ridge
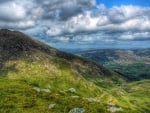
x: 14, y: 43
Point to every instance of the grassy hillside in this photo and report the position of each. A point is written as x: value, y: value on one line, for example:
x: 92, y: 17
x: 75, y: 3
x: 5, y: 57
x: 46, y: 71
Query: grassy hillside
x: 19, y: 90
x: 134, y: 64
x: 17, y: 46
x: 35, y: 78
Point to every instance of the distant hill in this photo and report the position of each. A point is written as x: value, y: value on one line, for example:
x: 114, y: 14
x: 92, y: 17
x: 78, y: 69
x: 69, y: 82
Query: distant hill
x: 134, y: 64
x: 36, y: 78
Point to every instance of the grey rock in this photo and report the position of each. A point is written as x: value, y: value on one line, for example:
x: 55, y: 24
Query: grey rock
x: 37, y: 89
x: 114, y: 109
x: 92, y: 100
x: 77, y: 110
x: 46, y: 90
x: 51, y: 106
x: 72, y: 90
x: 43, y: 90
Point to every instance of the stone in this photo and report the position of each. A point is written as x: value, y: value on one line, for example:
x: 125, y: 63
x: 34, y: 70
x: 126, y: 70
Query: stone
x: 37, y: 89
x: 51, y: 106
x: 77, y: 110
x: 75, y: 97
x: 46, y: 90
x: 114, y: 109
x: 72, y: 90
x: 92, y: 100
x: 43, y: 90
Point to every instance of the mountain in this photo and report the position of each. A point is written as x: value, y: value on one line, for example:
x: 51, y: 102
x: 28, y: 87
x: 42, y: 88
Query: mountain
x: 36, y: 78
x: 15, y: 45
x: 134, y: 64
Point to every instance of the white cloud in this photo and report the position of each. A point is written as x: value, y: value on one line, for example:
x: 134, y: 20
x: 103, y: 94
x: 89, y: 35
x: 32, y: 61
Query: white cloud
x: 131, y: 36
x: 76, y: 20
x: 54, y: 31
x: 12, y: 11
x: 111, y: 22
x: 26, y: 24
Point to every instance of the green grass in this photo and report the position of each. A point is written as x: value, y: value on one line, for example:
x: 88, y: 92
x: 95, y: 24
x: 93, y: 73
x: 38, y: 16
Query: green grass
x: 19, y: 97
x: 134, y: 71
x: 136, y: 94
x: 20, y: 77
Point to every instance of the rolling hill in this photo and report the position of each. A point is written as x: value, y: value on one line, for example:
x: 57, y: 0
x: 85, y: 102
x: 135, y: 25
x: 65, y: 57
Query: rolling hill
x: 134, y: 64
x: 36, y: 78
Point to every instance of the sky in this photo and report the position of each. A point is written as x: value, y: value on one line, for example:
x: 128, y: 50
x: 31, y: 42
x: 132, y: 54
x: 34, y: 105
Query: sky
x: 80, y: 24
x: 144, y: 3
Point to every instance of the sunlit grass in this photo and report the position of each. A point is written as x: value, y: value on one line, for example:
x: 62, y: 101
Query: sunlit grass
x: 21, y: 76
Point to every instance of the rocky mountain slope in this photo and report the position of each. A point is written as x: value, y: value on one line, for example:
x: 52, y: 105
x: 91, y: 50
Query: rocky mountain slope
x: 36, y: 78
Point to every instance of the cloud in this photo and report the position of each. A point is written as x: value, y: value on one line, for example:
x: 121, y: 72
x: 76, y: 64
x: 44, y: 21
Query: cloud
x: 17, y: 12
x: 18, y: 15
x: 118, y: 22
x: 11, y: 11
x: 64, y: 9
x: 136, y: 36
x: 76, y: 20
x: 18, y: 25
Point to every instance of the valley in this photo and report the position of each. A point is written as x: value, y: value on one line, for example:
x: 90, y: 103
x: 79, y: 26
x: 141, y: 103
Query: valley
x: 134, y: 64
